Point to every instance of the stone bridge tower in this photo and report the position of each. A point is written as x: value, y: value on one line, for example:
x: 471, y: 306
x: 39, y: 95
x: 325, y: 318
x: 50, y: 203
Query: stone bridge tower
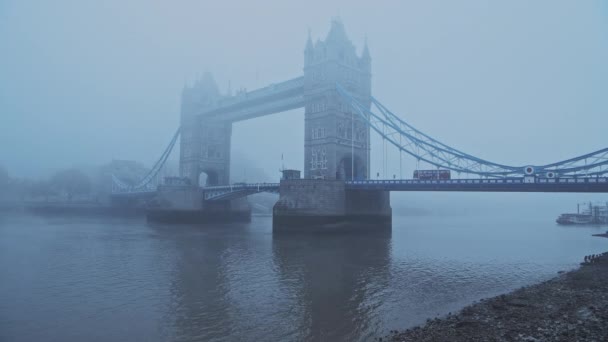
x: 204, y: 143
x: 336, y: 140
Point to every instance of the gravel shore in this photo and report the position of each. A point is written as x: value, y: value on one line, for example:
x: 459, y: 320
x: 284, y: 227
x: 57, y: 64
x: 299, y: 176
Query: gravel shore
x: 571, y: 307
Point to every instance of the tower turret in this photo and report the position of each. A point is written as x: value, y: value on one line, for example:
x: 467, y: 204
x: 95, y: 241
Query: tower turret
x: 366, y: 58
x: 309, y: 51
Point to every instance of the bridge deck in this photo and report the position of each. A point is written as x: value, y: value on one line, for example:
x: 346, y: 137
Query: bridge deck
x: 486, y: 185
x: 589, y: 185
x: 228, y: 192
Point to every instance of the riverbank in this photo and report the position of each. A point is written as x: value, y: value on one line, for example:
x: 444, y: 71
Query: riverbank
x: 570, y: 307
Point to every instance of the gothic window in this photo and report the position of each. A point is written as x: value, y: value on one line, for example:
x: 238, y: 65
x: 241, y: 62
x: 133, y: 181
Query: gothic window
x: 318, y: 133
x: 341, y: 130
x: 212, y: 152
x: 317, y: 107
x: 313, y: 159
x: 351, y: 76
x: 318, y: 75
x: 360, y: 134
x: 318, y: 160
x: 323, y: 159
x: 344, y: 107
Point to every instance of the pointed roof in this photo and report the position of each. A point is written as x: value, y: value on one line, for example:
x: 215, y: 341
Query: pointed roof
x: 207, y: 84
x: 337, y: 33
x: 365, y: 54
x: 309, y: 43
x: 204, y: 90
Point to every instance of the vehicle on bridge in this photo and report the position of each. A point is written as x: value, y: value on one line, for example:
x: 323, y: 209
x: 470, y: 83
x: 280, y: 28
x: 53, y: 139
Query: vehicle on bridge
x: 432, y: 174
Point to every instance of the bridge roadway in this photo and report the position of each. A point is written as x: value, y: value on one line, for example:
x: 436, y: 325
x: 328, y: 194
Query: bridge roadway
x: 587, y: 184
x: 581, y: 185
x: 228, y: 192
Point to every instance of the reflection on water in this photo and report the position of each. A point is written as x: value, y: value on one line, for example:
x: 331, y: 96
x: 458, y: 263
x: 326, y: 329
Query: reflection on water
x: 99, y: 280
x: 333, y: 277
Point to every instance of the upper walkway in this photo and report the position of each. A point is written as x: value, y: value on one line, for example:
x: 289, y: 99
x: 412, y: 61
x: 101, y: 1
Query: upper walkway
x: 272, y: 99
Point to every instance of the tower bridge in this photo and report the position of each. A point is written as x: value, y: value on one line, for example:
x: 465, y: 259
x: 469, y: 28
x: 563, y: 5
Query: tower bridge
x: 334, y: 140
x: 340, y: 114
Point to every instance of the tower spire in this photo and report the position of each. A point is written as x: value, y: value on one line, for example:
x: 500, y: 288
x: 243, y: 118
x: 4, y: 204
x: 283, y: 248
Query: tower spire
x: 365, y: 54
x: 309, y: 42
x: 309, y: 50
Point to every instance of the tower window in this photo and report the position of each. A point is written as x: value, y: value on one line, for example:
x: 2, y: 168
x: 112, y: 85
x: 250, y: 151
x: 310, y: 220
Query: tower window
x: 318, y: 132
x: 318, y: 160
x: 317, y: 107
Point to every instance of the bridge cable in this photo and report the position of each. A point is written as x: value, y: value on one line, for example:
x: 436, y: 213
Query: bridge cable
x: 426, y: 149
x: 145, y: 181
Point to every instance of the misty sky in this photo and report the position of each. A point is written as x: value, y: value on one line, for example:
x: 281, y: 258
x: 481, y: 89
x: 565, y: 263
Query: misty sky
x: 83, y: 82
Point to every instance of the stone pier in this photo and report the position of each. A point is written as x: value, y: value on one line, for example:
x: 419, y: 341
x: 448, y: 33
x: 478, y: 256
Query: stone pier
x: 184, y: 204
x: 326, y: 205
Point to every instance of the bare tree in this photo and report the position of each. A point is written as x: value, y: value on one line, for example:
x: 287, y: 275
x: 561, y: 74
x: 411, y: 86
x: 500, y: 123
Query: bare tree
x: 71, y: 182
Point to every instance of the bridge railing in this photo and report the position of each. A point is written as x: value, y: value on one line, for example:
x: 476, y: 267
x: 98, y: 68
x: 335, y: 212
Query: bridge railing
x: 235, y: 187
x: 581, y: 180
x: 222, y: 191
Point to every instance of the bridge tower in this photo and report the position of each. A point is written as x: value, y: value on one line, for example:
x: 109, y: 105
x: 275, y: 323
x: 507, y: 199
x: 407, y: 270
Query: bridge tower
x: 205, y: 143
x: 336, y: 142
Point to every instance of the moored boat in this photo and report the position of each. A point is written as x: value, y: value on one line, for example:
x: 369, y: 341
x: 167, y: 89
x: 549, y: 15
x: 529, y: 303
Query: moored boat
x: 587, y: 213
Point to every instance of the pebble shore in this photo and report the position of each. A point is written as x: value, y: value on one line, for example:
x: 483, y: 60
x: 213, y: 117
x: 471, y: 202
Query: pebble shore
x: 570, y: 307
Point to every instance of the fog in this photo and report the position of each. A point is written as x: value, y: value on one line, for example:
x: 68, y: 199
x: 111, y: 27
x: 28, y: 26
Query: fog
x: 517, y: 82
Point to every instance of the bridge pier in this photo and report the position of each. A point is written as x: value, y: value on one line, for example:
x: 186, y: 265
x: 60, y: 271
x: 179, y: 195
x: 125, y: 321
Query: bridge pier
x: 184, y: 204
x: 326, y: 205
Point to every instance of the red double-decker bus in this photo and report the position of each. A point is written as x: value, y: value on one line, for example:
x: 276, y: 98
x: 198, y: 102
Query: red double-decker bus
x: 432, y: 174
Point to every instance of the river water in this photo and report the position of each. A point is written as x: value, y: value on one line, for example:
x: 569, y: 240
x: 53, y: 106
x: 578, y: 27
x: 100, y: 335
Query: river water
x: 85, y: 279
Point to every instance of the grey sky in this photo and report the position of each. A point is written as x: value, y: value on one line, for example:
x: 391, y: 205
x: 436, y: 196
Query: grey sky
x: 82, y: 82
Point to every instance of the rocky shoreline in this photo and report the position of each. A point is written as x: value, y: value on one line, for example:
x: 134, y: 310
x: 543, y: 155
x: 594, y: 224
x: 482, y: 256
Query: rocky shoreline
x: 570, y: 307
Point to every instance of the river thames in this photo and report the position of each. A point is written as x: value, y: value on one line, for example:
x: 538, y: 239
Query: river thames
x: 90, y: 279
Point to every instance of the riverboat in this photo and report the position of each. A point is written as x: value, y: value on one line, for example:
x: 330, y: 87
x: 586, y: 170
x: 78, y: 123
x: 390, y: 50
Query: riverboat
x: 587, y: 213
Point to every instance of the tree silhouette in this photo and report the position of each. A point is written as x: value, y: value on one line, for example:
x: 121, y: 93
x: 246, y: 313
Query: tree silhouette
x: 71, y: 182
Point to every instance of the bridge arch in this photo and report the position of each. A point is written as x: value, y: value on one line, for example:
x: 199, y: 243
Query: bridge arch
x: 346, y: 168
x: 208, y: 177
